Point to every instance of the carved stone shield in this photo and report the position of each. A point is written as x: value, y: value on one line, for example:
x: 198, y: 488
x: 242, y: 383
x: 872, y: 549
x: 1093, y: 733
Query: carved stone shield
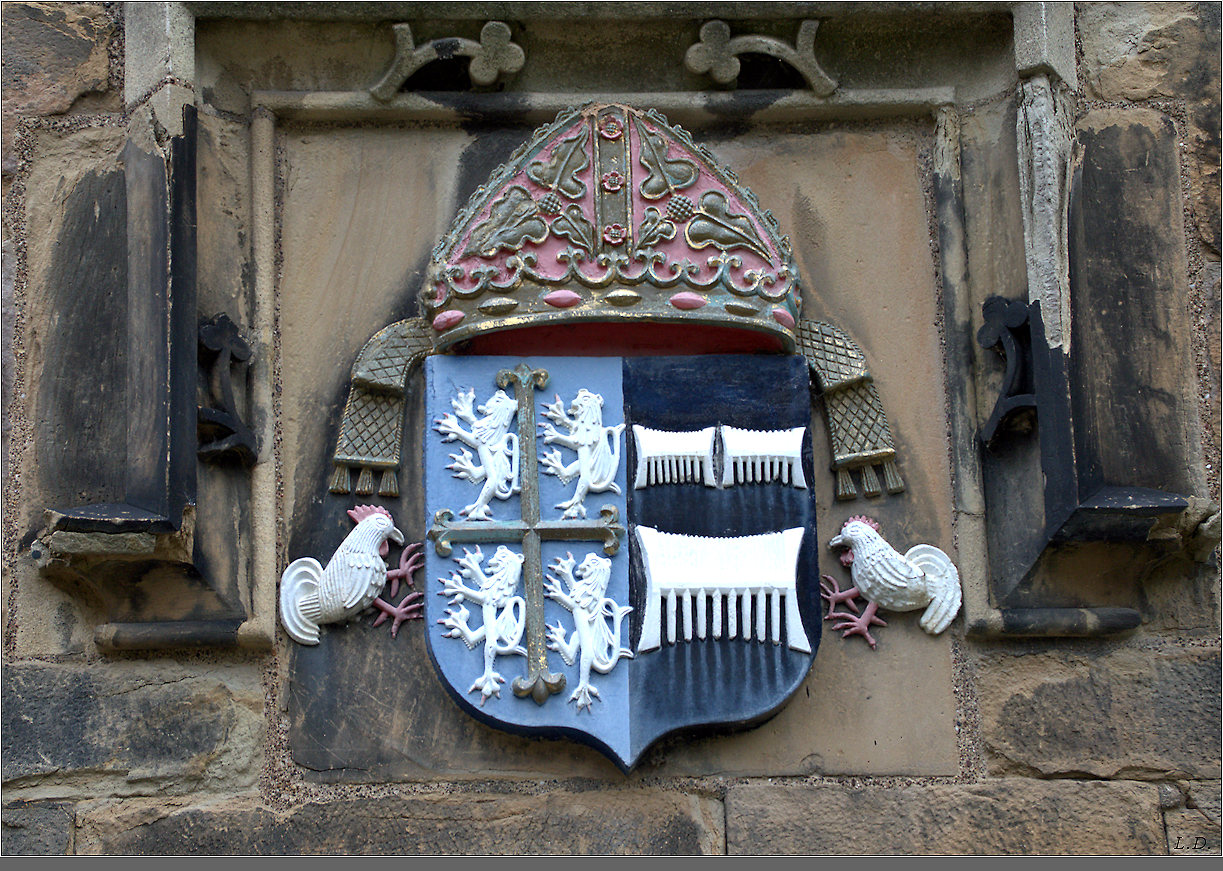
x: 620, y: 548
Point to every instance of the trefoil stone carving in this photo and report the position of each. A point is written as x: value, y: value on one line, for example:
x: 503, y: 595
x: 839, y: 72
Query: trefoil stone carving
x: 597, y: 461
x: 923, y: 577
x: 496, y: 447
x: 716, y: 54
x: 493, y: 57
x: 585, y: 595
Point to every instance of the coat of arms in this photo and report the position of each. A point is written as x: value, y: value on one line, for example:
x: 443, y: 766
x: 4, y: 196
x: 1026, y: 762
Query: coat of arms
x: 617, y: 463
x: 648, y: 559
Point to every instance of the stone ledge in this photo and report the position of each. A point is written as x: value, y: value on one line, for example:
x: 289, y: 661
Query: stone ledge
x: 1009, y: 816
x: 620, y: 822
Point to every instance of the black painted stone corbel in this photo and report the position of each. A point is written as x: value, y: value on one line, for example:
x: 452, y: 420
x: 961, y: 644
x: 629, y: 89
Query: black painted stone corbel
x: 138, y: 561
x: 1007, y: 328
x: 1104, y: 461
x: 222, y: 432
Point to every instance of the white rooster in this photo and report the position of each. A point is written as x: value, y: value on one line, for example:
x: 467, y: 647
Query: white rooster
x: 311, y: 595
x: 924, y: 577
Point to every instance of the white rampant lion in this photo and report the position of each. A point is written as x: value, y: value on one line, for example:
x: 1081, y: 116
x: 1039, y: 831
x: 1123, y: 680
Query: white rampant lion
x: 496, y: 446
x: 504, y: 613
x: 597, y: 461
x: 598, y: 643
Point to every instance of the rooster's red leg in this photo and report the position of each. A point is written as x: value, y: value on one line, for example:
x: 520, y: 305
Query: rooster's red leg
x: 410, y: 559
x: 408, y: 609
x: 831, y: 593
x: 860, y: 625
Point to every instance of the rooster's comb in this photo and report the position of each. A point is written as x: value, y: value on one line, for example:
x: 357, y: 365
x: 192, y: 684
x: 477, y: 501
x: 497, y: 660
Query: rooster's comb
x: 869, y: 521
x: 361, y: 512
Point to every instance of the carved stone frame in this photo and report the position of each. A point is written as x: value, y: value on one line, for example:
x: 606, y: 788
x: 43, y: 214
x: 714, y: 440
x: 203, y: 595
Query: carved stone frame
x: 160, y: 58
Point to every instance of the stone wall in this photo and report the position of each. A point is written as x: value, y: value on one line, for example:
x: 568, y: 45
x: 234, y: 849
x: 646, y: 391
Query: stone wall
x: 989, y: 745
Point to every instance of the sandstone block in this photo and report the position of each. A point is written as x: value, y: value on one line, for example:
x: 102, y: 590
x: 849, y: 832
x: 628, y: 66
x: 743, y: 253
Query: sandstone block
x: 617, y: 822
x: 1194, y: 828
x: 1135, y: 51
x: 1100, y: 712
x: 1140, y: 51
x: 120, y: 544
x: 36, y: 828
x: 1206, y: 797
x: 1008, y: 816
x: 158, y: 43
x: 1194, y: 831
x: 54, y: 54
x: 128, y: 729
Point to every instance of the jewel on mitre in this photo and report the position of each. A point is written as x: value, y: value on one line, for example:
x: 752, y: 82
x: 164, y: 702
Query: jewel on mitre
x: 562, y: 298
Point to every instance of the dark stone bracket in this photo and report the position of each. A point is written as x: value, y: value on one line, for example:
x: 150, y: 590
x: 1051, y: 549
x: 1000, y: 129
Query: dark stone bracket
x: 1082, y: 443
x: 1007, y: 329
x: 139, y: 560
x: 1073, y: 508
x: 222, y: 432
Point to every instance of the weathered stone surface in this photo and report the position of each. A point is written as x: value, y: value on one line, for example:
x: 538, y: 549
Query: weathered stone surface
x: 1044, y: 40
x: 616, y: 822
x: 1190, y: 833
x: 1140, y: 51
x: 75, y: 369
x: 158, y: 44
x: 54, y: 54
x: 1134, y: 51
x: 47, y: 620
x: 1205, y: 796
x: 1134, y: 410
x: 36, y: 828
x: 1102, y: 712
x: 1194, y: 829
x: 139, y: 729
x: 1009, y: 816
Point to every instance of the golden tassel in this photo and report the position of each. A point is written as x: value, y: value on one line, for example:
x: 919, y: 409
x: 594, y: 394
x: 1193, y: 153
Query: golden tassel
x: 365, y: 482
x: 389, y: 485
x: 340, y: 480
x: 845, y: 485
x: 870, y: 482
x: 891, y: 477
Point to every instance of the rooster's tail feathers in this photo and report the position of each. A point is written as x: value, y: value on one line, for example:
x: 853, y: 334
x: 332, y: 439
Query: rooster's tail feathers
x: 299, y: 600
x: 943, y: 585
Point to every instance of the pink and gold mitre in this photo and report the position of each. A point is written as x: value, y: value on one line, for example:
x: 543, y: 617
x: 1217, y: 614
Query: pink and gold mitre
x: 611, y: 215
